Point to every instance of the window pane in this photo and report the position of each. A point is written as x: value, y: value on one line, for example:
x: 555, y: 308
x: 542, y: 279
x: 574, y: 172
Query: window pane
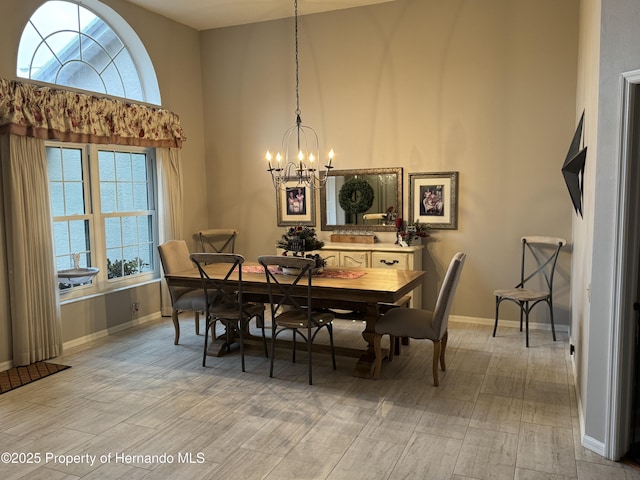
x: 108, y: 197
x: 127, y: 69
x: 54, y: 163
x: 73, y: 198
x: 140, y: 197
x: 57, y: 199
x: 129, y: 231
x: 94, y: 54
x: 61, y: 238
x: 107, y: 166
x: 79, y: 232
x: 123, y: 167
x: 114, y: 263
x: 113, y: 233
x: 80, y: 75
x: 72, y: 160
x: 113, y: 81
x: 28, y: 42
x: 139, y: 167
x: 53, y: 16
x: 125, y: 197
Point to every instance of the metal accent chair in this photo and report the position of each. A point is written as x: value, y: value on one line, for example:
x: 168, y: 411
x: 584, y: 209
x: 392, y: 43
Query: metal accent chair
x: 224, y: 302
x: 421, y: 324
x: 174, y: 256
x: 218, y: 240
x: 291, y: 305
x: 543, y: 256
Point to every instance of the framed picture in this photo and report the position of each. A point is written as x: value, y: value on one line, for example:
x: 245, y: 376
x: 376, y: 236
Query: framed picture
x: 433, y: 199
x: 296, y: 204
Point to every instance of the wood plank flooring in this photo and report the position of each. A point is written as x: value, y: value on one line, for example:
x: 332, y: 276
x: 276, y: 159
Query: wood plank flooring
x: 136, y: 406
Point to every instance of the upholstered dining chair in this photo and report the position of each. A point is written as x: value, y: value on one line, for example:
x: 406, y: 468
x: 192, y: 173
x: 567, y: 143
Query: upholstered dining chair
x: 224, y: 302
x: 174, y: 256
x: 540, y: 266
x: 421, y: 324
x: 291, y: 305
x: 218, y: 240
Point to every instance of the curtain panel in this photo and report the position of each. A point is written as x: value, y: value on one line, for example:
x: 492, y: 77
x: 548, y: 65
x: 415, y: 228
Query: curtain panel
x: 36, y: 328
x: 47, y: 113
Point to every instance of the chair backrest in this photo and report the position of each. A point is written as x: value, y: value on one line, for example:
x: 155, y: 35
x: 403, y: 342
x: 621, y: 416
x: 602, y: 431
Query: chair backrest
x: 294, y: 289
x: 218, y: 240
x: 219, y: 291
x: 543, y: 256
x: 447, y: 292
x: 174, y: 257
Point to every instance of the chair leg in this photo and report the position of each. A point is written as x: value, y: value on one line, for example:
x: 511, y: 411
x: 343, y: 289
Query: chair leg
x: 309, y: 356
x: 393, y: 344
x: 333, y: 352
x: 260, y: 319
x: 553, y: 327
x: 443, y: 350
x: 176, y: 326
x: 197, y: 318
x: 377, y: 348
x: 207, y: 326
x: 437, y: 346
x: 526, y: 312
x: 273, y: 348
x: 495, y: 325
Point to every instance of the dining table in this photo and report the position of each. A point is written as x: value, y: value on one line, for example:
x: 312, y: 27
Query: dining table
x: 362, y: 291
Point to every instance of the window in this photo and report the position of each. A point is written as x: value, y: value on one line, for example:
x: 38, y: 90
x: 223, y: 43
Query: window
x: 103, y: 206
x: 68, y: 44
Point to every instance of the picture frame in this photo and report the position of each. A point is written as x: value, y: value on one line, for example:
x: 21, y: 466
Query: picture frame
x: 295, y: 204
x: 433, y: 199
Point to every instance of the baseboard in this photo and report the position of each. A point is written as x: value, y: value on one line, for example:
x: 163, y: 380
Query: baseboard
x: 594, y: 445
x: 109, y: 331
x: 507, y: 323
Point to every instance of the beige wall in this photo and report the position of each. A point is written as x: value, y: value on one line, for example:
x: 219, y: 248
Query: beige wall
x: 484, y: 88
x: 175, y: 52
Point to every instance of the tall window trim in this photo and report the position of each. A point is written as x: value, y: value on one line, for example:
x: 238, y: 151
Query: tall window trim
x: 96, y: 220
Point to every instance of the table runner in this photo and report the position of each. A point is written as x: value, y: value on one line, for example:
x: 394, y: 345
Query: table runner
x: 344, y: 274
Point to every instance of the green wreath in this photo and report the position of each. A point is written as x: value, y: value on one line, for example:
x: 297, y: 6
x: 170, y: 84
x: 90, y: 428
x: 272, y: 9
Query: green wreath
x: 356, y: 196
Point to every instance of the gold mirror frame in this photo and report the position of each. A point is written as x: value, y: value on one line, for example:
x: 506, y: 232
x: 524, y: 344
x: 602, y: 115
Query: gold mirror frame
x: 364, y: 172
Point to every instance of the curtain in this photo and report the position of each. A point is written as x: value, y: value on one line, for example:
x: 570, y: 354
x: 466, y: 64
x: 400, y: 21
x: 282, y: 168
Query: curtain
x: 34, y: 303
x: 170, y: 204
x: 44, y: 112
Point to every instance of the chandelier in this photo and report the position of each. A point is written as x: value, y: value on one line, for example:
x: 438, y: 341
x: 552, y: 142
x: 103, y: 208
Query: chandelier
x: 299, y: 159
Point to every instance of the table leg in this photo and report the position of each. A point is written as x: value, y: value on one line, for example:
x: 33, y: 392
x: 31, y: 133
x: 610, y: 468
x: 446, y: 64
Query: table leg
x: 366, y: 362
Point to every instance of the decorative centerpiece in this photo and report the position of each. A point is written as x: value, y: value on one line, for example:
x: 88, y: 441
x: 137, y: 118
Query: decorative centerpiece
x: 299, y: 240
x: 406, y: 234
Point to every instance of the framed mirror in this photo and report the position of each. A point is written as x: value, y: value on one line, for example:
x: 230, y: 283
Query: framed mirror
x: 363, y: 199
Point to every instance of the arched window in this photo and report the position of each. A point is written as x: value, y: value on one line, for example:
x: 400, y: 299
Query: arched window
x: 68, y: 44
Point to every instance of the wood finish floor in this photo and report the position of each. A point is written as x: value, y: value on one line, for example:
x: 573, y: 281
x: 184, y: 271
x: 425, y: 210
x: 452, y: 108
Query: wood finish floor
x: 502, y: 411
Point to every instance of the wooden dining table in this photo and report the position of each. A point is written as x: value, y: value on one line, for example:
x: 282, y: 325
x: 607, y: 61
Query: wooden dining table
x: 361, y: 290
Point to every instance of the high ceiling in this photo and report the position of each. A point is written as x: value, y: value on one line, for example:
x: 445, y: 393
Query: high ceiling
x: 205, y: 14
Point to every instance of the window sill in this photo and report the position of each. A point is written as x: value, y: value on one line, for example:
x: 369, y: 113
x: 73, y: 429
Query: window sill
x: 104, y: 292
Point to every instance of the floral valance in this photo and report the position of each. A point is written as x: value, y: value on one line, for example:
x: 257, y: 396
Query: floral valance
x: 44, y: 112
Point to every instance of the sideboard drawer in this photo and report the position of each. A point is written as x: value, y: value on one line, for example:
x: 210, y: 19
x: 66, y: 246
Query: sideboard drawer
x: 396, y: 261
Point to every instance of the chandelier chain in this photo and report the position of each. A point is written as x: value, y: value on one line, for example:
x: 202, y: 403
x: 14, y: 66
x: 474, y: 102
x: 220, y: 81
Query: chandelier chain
x: 297, y: 77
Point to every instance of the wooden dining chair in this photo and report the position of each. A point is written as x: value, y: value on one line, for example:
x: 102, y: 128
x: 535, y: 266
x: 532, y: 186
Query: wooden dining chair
x: 174, y: 257
x: 218, y: 240
x: 543, y: 256
x: 421, y: 324
x: 224, y: 301
x: 291, y: 305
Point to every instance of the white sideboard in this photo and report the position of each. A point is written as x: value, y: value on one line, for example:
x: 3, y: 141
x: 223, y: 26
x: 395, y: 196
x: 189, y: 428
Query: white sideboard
x: 376, y: 255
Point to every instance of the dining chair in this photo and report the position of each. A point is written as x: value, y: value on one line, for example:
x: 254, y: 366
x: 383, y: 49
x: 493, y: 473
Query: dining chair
x: 537, y: 264
x: 224, y: 301
x: 291, y: 305
x: 218, y: 240
x: 174, y: 257
x: 421, y: 324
